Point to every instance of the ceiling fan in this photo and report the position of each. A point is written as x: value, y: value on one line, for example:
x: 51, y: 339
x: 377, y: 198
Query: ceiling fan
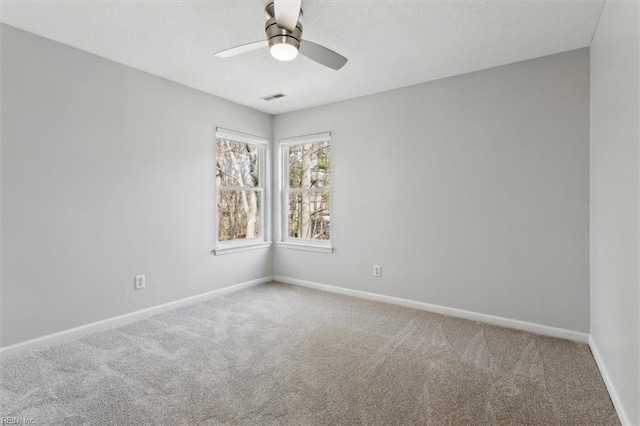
x: 284, y: 38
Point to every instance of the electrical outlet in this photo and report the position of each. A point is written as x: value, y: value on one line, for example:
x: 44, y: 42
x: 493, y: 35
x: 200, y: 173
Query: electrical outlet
x: 377, y: 271
x: 140, y: 282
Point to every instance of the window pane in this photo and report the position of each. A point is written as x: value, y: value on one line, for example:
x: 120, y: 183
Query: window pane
x: 309, y: 215
x: 238, y: 215
x: 310, y: 165
x: 236, y: 163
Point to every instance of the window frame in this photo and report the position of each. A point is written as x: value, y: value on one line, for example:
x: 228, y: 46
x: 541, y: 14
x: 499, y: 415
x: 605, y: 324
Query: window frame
x: 263, y: 240
x: 285, y: 241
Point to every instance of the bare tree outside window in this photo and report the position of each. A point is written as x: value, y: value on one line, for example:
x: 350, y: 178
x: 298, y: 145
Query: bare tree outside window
x: 308, y: 191
x: 239, y: 190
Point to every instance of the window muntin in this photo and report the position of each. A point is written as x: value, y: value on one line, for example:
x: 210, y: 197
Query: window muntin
x: 240, y: 188
x: 307, y: 189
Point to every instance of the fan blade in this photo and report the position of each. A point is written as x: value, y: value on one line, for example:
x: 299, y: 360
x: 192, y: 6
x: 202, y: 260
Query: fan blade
x: 238, y: 50
x: 322, y: 55
x: 287, y: 13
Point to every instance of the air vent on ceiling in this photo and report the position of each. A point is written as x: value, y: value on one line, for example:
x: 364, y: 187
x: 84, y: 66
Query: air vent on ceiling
x: 272, y: 97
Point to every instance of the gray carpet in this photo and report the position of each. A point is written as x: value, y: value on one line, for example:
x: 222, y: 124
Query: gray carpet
x: 279, y: 354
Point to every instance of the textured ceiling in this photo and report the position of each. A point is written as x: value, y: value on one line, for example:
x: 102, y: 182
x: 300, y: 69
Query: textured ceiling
x: 389, y: 44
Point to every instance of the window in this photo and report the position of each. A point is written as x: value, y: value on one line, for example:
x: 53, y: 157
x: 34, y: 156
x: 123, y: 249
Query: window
x: 240, y: 191
x: 306, y: 192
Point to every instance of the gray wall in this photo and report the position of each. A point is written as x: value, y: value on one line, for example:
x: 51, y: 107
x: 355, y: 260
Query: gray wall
x: 472, y: 192
x: 615, y: 198
x: 107, y: 173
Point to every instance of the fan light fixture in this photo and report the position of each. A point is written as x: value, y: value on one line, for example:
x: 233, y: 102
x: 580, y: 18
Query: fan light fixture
x: 283, y: 44
x: 283, y: 51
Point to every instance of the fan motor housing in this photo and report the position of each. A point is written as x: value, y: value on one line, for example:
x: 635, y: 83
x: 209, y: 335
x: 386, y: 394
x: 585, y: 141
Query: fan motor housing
x: 277, y: 35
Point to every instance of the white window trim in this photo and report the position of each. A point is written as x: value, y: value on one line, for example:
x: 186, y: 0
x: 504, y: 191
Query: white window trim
x: 285, y: 241
x: 304, y: 246
x: 228, y: 249
x: 264, y: 167
x: 222, y: 133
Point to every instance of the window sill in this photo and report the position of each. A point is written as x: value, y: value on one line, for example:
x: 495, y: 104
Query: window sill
x: 306, y: 247
x: 219, y: 251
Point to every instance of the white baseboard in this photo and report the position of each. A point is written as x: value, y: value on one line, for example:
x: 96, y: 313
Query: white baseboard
x: 617, y: 403
x: 83, y: 330
x: 459, y: 313
x: 145, y: 313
